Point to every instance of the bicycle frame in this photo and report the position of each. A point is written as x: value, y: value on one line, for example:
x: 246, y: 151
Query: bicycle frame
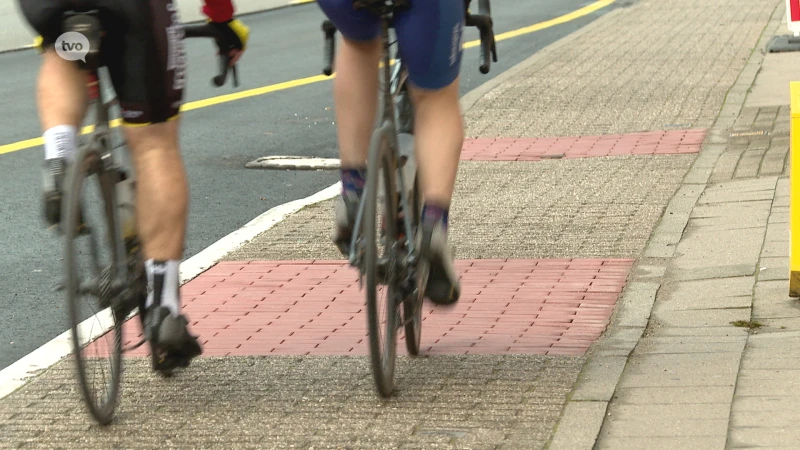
x: 113, y: 160
x: 393, y: 83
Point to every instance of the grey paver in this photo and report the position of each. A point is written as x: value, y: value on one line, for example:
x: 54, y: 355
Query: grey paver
x: 708, y: 294
x: 598, y: 379
x: 674, y: 370
x: 764, y: 419
x: 703, y: 317
x: 635, y: 304
x: 751, y: 387
x: 702, y: 332
x: 751, y: 154
x: 764, y: 437
x: 580, y: 424
x: 701, y: 411
x: 657, y: 426
x: 668, y: 443
x: 652, y: 348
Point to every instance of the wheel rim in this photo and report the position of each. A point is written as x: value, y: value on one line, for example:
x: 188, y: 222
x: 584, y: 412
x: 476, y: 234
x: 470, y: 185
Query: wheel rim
x: 382, y: 304
x: 413, y: 306
x: 96, y: 332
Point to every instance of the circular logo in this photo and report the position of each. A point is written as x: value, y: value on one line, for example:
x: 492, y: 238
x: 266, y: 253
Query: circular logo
x: 72, y: 46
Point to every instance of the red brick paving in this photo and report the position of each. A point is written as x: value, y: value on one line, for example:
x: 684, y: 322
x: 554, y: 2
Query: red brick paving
x: 546, y: 306
x: 535, y: 149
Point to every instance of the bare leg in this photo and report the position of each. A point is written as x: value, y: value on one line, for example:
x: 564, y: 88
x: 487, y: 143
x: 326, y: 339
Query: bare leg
x: 439, y: 134
x: 355, y: 94
x: 162, y: 199
x: 162, y: 192
x: 61, y: 92
x: 61, y: 99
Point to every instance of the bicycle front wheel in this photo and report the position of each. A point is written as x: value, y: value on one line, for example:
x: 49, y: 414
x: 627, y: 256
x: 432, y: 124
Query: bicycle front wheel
x: 412, y: 306
x: 88, y: 255
x: 380, y: 262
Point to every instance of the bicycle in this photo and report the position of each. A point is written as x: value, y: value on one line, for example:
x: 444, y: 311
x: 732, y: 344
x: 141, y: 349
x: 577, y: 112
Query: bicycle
x: 116, y: 286
x: 400, y: 267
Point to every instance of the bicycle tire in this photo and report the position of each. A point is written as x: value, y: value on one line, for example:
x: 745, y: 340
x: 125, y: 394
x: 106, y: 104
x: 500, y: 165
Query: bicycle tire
x: 383, y: 346
x: 77, y: 178
x: 412, y: 307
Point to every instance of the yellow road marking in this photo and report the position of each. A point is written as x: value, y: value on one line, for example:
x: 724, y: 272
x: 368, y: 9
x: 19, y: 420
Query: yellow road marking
x: 35, y: 142
x: 586, y: 10
x: 254, y: 92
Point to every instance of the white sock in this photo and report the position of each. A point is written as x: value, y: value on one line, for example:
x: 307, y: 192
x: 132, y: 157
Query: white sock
x: 60, y: 142
x: 163, y: 275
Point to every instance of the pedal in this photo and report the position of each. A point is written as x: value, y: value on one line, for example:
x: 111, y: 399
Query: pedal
x: 166, y: 364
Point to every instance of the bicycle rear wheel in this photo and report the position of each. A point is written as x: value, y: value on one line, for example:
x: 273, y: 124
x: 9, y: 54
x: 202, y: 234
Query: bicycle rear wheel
x: 89, y: 246
x: 380, y: 262
x: 412, y: 306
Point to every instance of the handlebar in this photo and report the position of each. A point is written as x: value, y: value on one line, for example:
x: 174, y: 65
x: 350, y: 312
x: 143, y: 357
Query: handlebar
x: 488, y: 45
x: 483, y: 22
x: 192, y: 31
x: 330, y: 46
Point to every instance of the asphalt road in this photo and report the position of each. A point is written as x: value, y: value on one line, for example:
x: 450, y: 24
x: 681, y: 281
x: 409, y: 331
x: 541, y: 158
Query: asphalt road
x: 285, y: 45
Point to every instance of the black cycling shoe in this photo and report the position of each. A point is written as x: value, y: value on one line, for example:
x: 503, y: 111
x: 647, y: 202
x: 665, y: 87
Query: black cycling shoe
x: 443, y: 287
x: 53, y: 174
x: 53, y: 179
x: 346, y: 210
x: 172, y: 344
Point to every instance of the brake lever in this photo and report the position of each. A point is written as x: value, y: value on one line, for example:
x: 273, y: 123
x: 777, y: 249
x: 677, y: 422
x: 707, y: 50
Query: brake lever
x: 219, y: 80
x: 236, y: 75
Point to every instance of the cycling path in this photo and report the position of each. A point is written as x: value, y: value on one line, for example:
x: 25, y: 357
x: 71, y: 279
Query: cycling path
x: 582, y: 167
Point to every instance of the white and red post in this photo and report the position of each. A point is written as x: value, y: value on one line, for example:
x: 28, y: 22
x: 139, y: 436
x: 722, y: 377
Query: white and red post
x: 793, y: 16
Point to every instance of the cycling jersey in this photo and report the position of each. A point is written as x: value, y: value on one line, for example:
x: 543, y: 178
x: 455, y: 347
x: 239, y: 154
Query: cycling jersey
x: 429, y: 33
x: 218, y: 10
x: 142, y: 48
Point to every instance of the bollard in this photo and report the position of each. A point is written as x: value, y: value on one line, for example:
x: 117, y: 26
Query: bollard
x: 788, y: 42
x: 794, y: 191
x: 793, y: 16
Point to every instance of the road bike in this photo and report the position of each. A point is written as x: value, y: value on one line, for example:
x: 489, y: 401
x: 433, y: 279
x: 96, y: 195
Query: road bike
x: 105, y: 242
x: 384, y: 243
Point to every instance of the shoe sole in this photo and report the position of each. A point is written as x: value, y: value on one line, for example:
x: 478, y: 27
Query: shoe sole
x: 439, y: 290
x: 52, y: 208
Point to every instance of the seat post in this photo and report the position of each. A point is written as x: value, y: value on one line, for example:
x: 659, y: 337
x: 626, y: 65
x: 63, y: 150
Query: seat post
x: 87, y: 24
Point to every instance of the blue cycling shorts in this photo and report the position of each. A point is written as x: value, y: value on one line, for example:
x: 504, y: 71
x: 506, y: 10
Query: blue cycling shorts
x: 429, y: 33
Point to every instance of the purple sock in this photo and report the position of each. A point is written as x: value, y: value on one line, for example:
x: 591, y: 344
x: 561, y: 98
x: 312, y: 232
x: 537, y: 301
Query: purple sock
x: 435, y: 213
x: 353, y: 181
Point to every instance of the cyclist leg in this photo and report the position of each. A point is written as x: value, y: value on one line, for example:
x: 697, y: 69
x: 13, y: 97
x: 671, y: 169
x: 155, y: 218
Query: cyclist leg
x: 61, y: 100
x: 148, y: 74
x: 355, y: 92
x: 430, y: 36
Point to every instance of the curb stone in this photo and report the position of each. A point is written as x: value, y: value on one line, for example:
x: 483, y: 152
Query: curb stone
x: 584, y: 413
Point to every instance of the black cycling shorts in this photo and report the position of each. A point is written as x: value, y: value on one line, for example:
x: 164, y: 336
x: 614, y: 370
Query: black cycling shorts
x: 142, y: 48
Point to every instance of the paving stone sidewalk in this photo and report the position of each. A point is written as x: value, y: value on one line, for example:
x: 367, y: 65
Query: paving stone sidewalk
x: 715, y: 367
x: 609, y: 77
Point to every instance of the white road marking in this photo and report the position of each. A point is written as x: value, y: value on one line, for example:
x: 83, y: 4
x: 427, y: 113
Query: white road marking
x: 17, y: 374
